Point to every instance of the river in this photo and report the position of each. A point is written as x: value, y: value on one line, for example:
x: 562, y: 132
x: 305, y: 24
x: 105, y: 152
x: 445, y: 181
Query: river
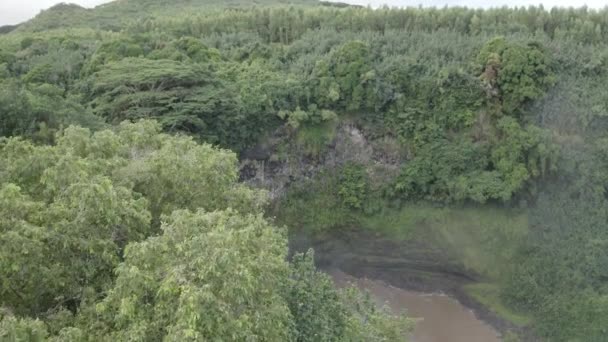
x: 439, y: 317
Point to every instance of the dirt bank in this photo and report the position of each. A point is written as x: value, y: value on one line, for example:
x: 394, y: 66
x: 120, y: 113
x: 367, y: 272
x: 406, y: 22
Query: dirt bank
x: 410, y: 265
x: 438, y: 318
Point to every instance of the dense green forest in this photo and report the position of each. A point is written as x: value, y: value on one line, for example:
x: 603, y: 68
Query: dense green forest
x: 123, y: 213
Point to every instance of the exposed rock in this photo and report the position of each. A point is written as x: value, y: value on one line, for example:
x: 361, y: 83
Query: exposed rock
x: 279, y: 161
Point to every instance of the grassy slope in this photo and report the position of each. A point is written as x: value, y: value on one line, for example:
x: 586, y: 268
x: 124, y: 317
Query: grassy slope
x: 483, y: 238
x: 488, y: 294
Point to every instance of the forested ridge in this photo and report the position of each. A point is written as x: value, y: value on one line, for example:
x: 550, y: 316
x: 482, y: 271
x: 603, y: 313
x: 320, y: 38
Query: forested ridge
x: 124, y: 215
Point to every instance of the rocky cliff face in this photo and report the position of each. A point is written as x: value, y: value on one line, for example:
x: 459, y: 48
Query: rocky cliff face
x: 281, y: 160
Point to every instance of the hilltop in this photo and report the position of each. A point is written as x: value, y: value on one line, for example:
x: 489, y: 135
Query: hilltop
x: 114, y: 15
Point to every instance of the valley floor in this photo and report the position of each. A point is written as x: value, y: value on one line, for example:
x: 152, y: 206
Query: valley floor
x: 422, y: 277
x: 439, y: 318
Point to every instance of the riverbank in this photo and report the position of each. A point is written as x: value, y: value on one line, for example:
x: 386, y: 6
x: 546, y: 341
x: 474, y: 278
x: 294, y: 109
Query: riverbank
x: 411, y: 265
x: 438, y: 317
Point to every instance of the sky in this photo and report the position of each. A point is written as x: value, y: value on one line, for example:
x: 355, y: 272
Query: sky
x: 16, y: 11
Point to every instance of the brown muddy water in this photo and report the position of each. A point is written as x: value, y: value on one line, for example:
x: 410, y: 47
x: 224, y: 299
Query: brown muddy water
x: 439, y: 318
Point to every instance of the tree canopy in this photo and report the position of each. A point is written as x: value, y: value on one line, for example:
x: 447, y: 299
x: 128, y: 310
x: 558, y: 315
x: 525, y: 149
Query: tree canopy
x: 123, y: 128
x: 131, y: 233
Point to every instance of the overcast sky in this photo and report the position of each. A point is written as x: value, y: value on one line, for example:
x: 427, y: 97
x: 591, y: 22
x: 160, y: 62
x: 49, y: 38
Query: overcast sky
x: 16, y: 11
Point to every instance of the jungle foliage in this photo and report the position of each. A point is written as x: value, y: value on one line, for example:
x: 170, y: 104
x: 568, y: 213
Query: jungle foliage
x: 133, y: 234
x: 500, y: 107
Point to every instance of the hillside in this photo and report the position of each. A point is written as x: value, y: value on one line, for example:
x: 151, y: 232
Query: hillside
x: 116, y: 14
x: 155, y: 155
